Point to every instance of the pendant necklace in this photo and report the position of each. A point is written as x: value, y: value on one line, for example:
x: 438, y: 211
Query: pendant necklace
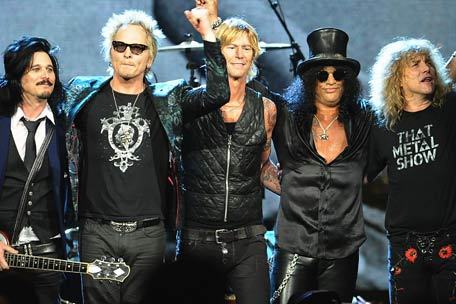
x: 125, y: 132
x: 324, y: 135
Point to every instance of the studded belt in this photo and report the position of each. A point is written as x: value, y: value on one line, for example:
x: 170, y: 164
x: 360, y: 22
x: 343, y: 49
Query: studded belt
x: 127, y: 227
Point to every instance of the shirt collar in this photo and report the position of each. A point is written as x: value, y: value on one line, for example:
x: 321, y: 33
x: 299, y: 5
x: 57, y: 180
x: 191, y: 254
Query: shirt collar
x: 47, y: 112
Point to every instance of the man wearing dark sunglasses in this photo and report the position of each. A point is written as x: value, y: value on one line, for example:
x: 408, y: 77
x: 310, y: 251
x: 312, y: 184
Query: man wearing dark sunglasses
x: 320, y: 139
x: 127, y: 136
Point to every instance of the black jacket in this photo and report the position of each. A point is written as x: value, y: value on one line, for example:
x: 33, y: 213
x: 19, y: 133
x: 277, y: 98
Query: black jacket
x: 174, y: 101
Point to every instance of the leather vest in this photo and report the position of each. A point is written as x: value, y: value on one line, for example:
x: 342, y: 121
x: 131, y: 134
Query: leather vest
x: 222, y: 171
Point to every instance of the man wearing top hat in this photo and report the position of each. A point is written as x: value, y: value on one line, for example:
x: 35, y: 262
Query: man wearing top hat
x: 320, y: 139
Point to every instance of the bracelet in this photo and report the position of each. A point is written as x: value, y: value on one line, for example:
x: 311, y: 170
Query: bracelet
x: 216, y: 23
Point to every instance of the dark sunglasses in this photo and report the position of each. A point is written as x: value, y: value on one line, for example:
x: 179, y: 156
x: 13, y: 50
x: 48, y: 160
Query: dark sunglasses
x: 135, y: 48
x: 338, y: 75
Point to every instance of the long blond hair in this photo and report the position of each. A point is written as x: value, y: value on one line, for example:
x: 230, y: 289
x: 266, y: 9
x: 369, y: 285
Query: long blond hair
x: 386, y: 96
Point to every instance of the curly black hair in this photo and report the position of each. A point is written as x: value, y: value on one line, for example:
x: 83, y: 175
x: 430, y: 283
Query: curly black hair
x: 300, y: 96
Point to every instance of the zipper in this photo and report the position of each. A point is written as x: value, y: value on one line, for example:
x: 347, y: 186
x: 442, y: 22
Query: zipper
x: 174, y: 181
x: 227, y: 183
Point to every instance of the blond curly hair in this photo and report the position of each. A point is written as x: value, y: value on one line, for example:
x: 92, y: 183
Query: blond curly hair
x: 386, y: 98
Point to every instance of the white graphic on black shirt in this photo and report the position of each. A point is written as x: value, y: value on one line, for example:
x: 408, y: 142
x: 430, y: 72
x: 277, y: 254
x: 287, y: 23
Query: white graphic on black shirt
x: 416, y: 147
x: 125, y: 134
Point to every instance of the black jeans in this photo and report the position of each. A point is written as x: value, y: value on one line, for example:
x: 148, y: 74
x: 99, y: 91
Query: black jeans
x: 46, y: 284
x: 422, y: 268
x: 142, y: 250
x: 242, y: 262
x: 337, y: 275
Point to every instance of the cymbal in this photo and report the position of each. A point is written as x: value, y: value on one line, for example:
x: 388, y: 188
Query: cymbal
x: 274, y: 46
x: 199, y: 46
x: 182, y: 46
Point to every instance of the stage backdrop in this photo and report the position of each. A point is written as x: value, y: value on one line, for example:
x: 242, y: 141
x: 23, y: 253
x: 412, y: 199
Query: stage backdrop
x: 75, y: 27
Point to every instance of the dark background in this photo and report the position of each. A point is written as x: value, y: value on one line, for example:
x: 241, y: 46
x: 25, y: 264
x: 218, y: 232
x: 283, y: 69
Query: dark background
x: 75, y: 27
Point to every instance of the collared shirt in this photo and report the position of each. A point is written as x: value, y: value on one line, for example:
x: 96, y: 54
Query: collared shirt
x: 20, y: 132
x: 320, y: 213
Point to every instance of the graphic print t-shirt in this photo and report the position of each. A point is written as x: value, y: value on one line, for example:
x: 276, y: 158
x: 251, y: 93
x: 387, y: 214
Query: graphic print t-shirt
x: 124, y: 157
x: 420, y: 156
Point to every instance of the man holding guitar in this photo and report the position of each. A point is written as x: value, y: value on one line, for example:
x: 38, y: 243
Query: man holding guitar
x: 34, y: 183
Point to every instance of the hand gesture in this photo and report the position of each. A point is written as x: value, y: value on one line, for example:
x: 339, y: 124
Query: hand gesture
x: 211, y: 6
x: 199, y: 19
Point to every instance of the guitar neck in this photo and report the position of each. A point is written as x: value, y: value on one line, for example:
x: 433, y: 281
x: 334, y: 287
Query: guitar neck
x: 42, y: 263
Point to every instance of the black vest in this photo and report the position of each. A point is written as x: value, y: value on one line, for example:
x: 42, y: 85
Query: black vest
x: 222, y: 171
x: 40, y: 211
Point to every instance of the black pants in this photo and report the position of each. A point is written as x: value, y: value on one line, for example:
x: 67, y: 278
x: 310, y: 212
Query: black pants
x: 243, y: 263
x: 337, y: 275
x: 423, y: 268
x: 32, y: 286
x: 142, y: 250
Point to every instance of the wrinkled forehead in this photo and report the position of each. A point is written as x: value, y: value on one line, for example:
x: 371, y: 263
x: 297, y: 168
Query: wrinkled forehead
x: 416, y: 56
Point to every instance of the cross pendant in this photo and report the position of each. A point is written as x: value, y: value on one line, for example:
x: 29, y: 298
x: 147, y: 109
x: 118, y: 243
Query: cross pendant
x: 324, y: 136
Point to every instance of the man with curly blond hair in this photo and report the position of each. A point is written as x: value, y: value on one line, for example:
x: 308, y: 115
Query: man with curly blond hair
x: 415, y: 139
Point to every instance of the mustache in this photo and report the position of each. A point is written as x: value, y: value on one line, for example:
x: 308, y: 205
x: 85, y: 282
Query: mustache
x: 46, y: 82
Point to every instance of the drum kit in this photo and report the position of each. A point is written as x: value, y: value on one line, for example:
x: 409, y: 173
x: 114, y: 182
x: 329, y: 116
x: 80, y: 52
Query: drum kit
x: 193, y: 45
x: 190, y: 45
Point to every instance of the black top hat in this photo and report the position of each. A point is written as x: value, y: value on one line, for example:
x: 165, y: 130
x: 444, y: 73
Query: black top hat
x: 327, y: 46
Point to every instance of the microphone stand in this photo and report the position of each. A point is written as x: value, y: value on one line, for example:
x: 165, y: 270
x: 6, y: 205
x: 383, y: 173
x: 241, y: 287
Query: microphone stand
x: 297, y: 55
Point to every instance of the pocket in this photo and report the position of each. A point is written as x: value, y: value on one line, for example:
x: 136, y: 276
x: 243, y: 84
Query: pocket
x: 186, y: 248
x: 156, y: 231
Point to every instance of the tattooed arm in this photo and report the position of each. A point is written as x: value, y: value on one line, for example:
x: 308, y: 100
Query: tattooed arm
x: 270, y: 177
x: 269, y: 172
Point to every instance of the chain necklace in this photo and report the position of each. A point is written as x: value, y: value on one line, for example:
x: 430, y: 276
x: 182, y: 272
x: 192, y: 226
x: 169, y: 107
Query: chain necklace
x: 117, y: 108
x: 126, y: 133
x: 324, y: 135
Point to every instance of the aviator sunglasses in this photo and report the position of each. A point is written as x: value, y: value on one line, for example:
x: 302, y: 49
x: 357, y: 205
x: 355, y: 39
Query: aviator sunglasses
x: 135, y: 48
x: 338, y: 75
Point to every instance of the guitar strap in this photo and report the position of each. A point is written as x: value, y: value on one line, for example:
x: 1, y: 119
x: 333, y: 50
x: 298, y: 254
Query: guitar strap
x: 35, y: 168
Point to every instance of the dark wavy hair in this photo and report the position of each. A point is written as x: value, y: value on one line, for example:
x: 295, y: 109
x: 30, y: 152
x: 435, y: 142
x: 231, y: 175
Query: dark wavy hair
x: 17, y: 59
x: 300, y: 96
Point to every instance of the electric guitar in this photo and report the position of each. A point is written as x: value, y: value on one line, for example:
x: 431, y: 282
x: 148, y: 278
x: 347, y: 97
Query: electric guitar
x: 103, y: 269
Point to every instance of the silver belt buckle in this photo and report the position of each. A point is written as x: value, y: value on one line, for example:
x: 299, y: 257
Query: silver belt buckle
x: 123, y: 227
x: 217, y: 235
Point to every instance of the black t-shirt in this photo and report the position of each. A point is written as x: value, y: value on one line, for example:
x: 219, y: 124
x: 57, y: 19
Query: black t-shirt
x: 125, y: 157
x: 420, y: 156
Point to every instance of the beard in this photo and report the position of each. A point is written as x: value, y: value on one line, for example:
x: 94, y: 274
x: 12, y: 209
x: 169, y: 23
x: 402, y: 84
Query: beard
x: 44, y: 95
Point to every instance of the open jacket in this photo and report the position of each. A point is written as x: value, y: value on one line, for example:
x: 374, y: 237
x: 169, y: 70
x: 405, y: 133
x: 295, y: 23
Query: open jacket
x: 175, y: 103
x: 58, y: 166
